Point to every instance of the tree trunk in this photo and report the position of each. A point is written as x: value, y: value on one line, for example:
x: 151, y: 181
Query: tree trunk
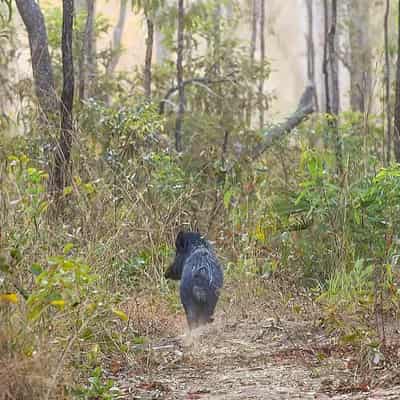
x: 334, y: 66
x: 333, y: 60
x: 80, y: 4
x: 325, y: 59
x: 117, y: 37
x: 217, y: 15
x: 387, y: 85
x: 311, y: 50
x: 217, y: 37
x: 91, y: 49
x: 332, y: 78
x: 149, y: 56
x: 161, y: 52
x: 253, y: 44
x: 179, y: 77
x: 79, y: 7
x: 63, y: 151
x: 87, y: 67
x: 32, y: 17
x: 219, y: 103
x: 396, y: 136
x: 360, y: 55
x: 262, y: 60
x: 254, y: 26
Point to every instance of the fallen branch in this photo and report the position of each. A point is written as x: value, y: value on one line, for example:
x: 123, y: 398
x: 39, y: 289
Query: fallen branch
x: 305, y: 108
x: 205, y: 81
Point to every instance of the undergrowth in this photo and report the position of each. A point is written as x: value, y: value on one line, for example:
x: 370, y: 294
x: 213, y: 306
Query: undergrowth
x: 90, y: 283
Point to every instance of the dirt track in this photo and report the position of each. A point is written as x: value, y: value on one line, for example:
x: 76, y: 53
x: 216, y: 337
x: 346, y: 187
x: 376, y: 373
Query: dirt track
x: 246, y: 360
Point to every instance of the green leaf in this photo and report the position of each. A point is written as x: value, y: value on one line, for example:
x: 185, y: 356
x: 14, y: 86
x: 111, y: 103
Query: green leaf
x: 227, y: 198
x: 4, y: 263
x: 67, y: 190
x: 139, y: 340
x: 55, y: 260
x: 68, y: 247
x: 87, y: 334
x: 35, y: 312
x: 36, y: 269
x: 89, y: 188
x: 16, y: 254
x: 350, y: 339
x: 120, y: 314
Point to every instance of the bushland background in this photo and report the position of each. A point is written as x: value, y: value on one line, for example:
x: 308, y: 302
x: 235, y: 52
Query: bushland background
x: 271, y: 127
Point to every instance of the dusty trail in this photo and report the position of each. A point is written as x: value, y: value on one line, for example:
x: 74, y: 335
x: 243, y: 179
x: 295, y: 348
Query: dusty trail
x: 245, y: 360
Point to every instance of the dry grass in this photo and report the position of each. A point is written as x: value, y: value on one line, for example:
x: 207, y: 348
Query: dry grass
x: 108, y: 238
x: 22, y: 378
x: 151, y: 316
x: 28, y: 376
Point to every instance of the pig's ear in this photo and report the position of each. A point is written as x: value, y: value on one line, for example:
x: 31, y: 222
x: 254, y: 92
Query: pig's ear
x: 180, y: 242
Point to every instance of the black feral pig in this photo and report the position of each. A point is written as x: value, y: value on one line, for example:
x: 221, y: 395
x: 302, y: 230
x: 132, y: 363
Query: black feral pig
x: 201, y: 276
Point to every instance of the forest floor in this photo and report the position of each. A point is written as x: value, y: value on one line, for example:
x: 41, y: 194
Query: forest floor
x: 258, y: 357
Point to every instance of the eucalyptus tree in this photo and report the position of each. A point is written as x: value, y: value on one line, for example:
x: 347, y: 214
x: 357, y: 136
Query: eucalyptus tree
x: 255, y: 11
x: 179, y: 75
x: 387, y: 84
x: 8, y: 43
x: 331, y: 75
x: 87, y: 62
x: 43, y: 77
x: 396, y: 136
x: 150, y: 8
x: 360, y: 57
x: 117, y: 37
x: 42, y: 69
x: 311, y: 49
x: 60, y: 173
